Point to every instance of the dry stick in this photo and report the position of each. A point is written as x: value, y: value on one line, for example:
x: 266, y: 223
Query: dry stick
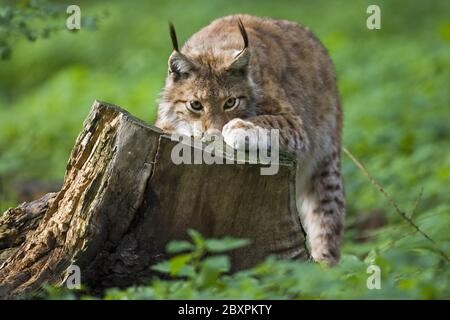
x: 391, y: 200
x: 416, y: 203
x: 410, y: 216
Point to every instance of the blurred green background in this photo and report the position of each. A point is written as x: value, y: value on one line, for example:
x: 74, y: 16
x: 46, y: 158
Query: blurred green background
x: 394, y: 84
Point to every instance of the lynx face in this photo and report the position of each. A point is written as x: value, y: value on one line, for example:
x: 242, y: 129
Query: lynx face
x: 205, y: 90
x: 203, y: 100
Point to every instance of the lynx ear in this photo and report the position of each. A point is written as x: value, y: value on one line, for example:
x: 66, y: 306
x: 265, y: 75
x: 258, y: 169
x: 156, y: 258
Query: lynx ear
x: 178, y: 62
x: 241, y: 61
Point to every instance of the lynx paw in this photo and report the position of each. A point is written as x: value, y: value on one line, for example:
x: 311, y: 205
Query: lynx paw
x: 325, y: 257
x: 242, y: 135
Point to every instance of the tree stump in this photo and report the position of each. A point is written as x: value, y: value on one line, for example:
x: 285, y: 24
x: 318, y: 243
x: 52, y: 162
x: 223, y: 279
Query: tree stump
x: 123, y: 200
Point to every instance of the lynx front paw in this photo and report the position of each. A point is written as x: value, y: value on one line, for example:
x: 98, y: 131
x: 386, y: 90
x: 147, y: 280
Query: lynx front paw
x: 242, y: 135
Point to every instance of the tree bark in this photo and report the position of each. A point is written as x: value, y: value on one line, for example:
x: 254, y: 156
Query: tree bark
x: 123, y: 199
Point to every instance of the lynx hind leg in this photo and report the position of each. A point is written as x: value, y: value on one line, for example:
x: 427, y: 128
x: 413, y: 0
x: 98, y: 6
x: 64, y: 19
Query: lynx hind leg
x: 323, y: 210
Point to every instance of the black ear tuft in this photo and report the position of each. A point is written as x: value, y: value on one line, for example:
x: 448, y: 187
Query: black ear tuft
x: 243, y: 32
x: 241, y: 61
x: 173, y: 36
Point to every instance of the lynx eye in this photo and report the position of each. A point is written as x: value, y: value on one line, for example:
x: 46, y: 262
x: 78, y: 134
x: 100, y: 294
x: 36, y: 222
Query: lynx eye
x: 231, y: 103
x: 194, y: 106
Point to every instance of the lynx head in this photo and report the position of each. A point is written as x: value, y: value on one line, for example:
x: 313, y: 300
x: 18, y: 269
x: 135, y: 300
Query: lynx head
x: 206, y: 89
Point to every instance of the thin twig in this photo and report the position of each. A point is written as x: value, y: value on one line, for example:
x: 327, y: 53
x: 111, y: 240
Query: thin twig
x: 419, y: 197
x: 392, y: 201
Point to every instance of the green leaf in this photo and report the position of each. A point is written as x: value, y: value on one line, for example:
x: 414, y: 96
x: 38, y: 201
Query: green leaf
x: 163, y: 267
x: 210, y: 270
x: 179, y: 246
x: 219, y: 262
x: 225, y: 244
x: 196, y: 237
x: 179, y: 262
x: 175, y: 266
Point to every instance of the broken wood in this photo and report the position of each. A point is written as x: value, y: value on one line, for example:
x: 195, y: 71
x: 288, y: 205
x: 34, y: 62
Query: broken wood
x: 123, y: 200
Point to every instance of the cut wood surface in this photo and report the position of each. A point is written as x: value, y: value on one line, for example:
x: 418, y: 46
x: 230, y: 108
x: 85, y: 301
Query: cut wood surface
x: 123, y: 199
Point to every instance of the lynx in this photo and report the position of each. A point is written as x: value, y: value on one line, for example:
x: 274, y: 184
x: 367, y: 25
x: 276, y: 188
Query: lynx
x: 245, y: 74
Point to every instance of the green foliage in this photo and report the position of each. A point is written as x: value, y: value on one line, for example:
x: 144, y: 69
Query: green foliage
x: 393, y: 83
x: 34, y: 19
x: 199, y: 273
x: 196, y: 274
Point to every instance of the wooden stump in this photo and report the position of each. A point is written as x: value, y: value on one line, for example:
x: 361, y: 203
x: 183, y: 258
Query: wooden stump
x: 123, y: 199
